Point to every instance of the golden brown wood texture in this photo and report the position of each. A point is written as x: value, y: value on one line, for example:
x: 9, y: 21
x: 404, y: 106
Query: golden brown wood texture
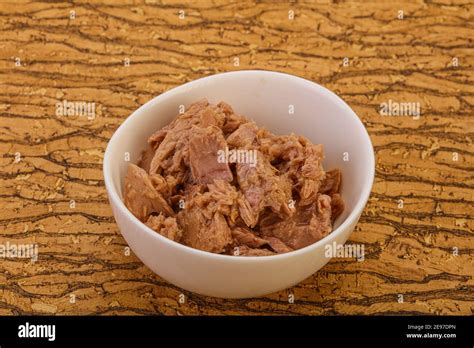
x: 423, y: 251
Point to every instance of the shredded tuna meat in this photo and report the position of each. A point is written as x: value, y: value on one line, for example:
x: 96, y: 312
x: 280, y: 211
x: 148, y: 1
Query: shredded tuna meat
x: 277, y: 245
x: 244, y: 250
x: 166, y: 226
x: 243, y: 236
x: 203, y: 156
x: 310, y: 224
x: 213, y: 180
x: 141, y: 197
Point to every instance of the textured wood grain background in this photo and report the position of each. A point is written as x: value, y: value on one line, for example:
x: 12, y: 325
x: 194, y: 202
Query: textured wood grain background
x: 423, y: 251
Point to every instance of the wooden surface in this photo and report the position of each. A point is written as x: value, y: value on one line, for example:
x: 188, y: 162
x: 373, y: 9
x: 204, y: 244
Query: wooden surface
x: 410, y: 251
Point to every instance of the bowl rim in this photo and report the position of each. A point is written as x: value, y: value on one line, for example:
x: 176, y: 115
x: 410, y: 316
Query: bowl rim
x: 353, y: 216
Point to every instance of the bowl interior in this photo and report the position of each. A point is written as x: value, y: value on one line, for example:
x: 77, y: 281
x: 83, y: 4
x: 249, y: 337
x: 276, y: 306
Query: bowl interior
x: 281, y: 103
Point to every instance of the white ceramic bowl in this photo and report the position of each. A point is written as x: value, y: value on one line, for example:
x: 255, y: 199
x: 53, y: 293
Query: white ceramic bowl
x: 265, y: 97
